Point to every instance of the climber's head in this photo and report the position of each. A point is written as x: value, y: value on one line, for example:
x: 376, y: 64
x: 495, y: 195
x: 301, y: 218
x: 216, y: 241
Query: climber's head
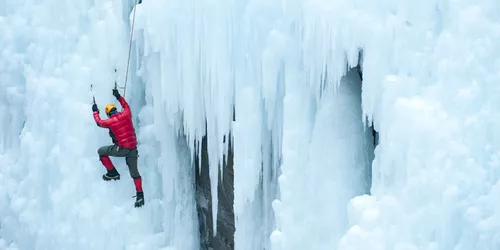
x: 110, y: 110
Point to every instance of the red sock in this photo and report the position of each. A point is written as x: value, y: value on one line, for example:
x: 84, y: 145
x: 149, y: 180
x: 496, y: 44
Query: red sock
x: 138, y: 184
x: 106, y: 162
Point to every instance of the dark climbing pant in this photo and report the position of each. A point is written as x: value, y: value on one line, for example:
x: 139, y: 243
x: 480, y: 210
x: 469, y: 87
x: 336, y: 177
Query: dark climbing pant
x: 129, y: 154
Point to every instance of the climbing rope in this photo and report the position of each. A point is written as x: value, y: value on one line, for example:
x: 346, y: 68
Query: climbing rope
x: 130, y: 48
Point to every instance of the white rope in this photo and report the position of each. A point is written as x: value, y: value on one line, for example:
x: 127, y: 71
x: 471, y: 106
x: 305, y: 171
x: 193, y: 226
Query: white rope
x: 130, y: 48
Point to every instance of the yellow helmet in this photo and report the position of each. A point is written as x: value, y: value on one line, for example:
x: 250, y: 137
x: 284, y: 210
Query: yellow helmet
x: 110, y: 107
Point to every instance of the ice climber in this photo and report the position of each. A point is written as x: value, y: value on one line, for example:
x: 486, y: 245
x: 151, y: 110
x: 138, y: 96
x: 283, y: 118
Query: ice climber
x: 122, y: 133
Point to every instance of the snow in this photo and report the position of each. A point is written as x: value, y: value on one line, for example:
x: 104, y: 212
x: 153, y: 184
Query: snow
x: 306, y: 173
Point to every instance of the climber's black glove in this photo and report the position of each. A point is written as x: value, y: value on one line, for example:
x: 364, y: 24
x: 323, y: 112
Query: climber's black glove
x: 94, y: 108
x: 116, y: 94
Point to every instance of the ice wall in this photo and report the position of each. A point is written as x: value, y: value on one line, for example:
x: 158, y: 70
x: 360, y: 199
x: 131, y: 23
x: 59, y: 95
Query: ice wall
x: 429, y: 86
x: 207, y: 68
x: 434, y: 103
x: 194, y: 88
x: 12, y: 85
x: 429, y: 69
x: 207, y: 58
x: 323, y: 169
x: 51, y: 191
x: 167, y: 160
x: 11, y: 116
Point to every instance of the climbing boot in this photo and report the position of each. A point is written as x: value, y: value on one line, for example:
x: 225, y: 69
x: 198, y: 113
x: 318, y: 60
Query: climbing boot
x: 111, y: 175
x: 139, y: 202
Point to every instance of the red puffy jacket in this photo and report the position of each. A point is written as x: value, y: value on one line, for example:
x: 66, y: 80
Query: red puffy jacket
x: 120, y: 125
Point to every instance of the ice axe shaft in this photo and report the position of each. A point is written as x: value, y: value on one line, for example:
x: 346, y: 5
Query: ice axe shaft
x: 116, y: 85
x: 92, y: 93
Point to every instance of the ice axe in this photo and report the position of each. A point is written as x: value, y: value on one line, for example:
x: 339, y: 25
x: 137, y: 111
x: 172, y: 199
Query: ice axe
x: 116, y: 84
x: 92, y: 93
